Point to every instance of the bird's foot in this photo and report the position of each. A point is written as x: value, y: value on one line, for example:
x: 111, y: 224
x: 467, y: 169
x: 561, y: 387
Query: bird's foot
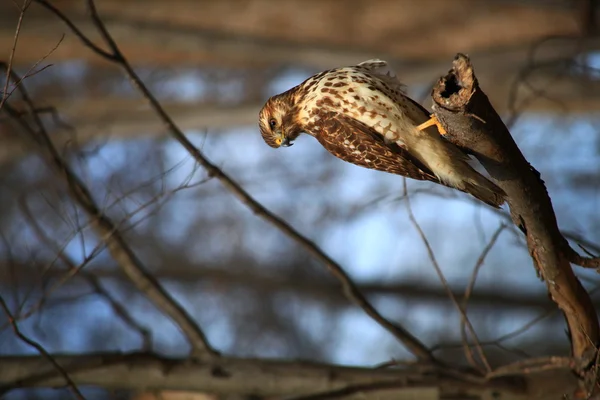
x: 431, y: 122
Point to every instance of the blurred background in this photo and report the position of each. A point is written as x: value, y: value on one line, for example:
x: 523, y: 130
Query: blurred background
x: 255, y: 292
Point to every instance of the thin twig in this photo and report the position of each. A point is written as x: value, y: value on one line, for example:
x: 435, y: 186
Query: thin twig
x: 586, y: 251
x: 471, y: 285
x: 30, y: 72
x: 86, y: 41
x: 414, y: 345
x: 30, y: 342
x: 438, y: 270
x: 532, y: 365
x: 119, y: 310
x: 512, y: 334
x: 481, y: 260
x: 22, y: 9
x: 582, y: 261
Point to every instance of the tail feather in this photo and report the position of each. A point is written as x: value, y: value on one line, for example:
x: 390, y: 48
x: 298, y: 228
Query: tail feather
x: 460, y: 175
x: 451, y: 166
x: 486, y: 191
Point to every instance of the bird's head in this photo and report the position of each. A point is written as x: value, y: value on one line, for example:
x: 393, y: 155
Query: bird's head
x: 277, y: 121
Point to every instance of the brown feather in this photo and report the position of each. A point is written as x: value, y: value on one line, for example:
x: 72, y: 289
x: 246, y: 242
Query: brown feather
x: 337, y: 133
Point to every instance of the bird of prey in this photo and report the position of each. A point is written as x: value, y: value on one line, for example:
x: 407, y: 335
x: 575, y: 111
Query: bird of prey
x: 362, y: 115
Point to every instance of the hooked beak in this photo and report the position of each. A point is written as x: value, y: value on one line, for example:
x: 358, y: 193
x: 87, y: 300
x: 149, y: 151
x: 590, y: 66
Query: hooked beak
x: 286, y: 142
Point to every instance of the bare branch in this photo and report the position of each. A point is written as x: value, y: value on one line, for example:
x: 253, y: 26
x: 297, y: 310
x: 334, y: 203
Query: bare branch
x: 470, y: 287
x: 231, y: 376
x: 119, y: 310
x: 581, y: 241
x: 586, y: 262
x: 11, y: 57
x: 533, y: 365
x: 9, y: 66
x: 40, y: 349
x: 87, y: 42
x: 440, y: 274
x: 110, y: 234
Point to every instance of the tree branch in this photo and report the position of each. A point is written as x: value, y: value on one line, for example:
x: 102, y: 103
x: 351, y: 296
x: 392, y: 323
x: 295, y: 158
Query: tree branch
x: 73, y: 269
x: 57, y: 368
x: 11, y: 57
x: 578, y: 259
x: 229, y: 376
x: 461, y: 310
x: 473, y: 124
x: 107, y: 230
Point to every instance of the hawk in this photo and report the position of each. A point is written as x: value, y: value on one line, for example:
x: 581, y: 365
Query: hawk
x: 362, y: 115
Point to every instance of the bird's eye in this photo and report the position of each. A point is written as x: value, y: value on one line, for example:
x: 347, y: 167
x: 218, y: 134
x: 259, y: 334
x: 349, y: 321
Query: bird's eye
x: 273, y: 124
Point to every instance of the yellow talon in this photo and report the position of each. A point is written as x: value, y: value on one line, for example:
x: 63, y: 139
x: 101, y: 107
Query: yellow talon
x: 431, y: 122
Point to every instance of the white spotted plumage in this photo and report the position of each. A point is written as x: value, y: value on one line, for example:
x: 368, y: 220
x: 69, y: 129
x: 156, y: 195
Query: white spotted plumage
x: 385, y: 118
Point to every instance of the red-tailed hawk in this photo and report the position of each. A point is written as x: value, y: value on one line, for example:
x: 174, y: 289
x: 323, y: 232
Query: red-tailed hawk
x: 362, y: 115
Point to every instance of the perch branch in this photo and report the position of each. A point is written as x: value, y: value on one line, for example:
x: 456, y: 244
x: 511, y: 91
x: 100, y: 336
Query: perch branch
x: 473, y: 124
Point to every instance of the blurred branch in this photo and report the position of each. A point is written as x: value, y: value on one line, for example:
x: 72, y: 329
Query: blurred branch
x: 580, y: 240
x: 533, y: 365
x: 22, y: 9
x: 73, y: 269
x: 469, y: 290
x: 231, y: 376
x: 462, y: 106
x: 232, y: 274
x: 64, y: 376
x: 578, y: 259
x: 555, y: 73
x: 588, y: 12
x: 114, y: 55
x: 464, y: 318
x: 107, y: 230
x: 9, y: 66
